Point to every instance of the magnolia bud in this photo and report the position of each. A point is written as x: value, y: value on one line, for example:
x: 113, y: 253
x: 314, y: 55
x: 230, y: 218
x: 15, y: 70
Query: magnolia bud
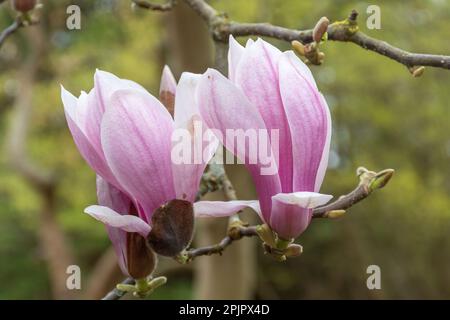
x: 141, y: 260
x: 417, y: 71
x: 334, y: 214
x: 381, y: 179
x: 298, y: 47
x: 266, y: 235
x: 293, y: 250
x: 320, y: 29
x: 23, y: 5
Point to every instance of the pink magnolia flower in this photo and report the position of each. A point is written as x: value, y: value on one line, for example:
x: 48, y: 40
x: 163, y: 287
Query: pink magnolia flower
x: 124, y: 134
x: 269, y: 89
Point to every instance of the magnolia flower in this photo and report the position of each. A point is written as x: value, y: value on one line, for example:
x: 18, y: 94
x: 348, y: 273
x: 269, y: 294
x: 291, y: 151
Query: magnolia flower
x: 269, y: 89
x: 124, y: 134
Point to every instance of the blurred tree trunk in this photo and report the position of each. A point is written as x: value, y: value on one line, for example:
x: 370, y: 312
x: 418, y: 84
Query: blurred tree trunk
x: 57, y: 251
x: 104, y: 276
x: 230, y: 276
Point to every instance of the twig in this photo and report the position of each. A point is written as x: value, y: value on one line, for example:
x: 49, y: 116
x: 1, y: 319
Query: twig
x: 212, y: 180
x: 116, y: 294
x: 155, y: 6
x: 344, y: 31
x: 18, y: 23
x: 369, y: 181
x: 233, y: 235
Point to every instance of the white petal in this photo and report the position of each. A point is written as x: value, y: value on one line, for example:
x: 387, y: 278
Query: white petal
x: 204, y: 209
x: 113, y: 219
x: 303, y: 199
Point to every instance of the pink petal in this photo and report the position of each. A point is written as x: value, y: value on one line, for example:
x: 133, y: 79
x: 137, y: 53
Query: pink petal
x: 291, y: 213
x: 118, y: 238
x: 187, y: 166
x: 168, y: 82
x: 235, y: 53
x: 257, y: 76
x: 326, y: 150
x: 106, y: 83
x: 309, y: 124
x: 204, y: 209
x: 94, y: 115
x: 136, y: 138
x: 301, y: 67
x: 93, y: 156
x: 223, y: 106
x: 125, y: 222
x: 111, y: 197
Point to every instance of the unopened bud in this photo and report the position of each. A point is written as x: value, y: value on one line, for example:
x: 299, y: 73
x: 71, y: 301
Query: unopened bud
x: 320, y: 29
x: 381, y: 179
x: 157, y: 282
x: 321, y: 56
x: 266, y: 234
x: 417, y: 71
x: 293, y: 250
x: 334, y: 214
x: 23, y: 5
x: 298, y: 47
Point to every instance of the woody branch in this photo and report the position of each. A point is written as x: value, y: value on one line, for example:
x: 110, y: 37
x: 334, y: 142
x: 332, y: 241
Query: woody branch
x: 221, y: 27
x: 369, y: 181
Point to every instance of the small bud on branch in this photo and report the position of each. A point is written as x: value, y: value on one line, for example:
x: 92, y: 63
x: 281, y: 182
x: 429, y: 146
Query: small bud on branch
x: 320, y: 29
x: 23, y: 5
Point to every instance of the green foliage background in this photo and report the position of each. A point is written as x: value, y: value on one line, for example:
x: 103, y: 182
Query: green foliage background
x: 382, y: 117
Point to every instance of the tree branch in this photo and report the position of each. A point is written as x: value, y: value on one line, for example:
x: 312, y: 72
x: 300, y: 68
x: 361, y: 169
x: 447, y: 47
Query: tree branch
x: 155, y: 6
x: 345, y: 31
x: 369, y: 181
x: 116, y: 294
x: 234, y: 234
x: 19, y: 22
x: 10, y: 30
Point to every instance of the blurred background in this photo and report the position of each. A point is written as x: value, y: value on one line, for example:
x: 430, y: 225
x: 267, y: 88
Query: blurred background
x: 382, y: 118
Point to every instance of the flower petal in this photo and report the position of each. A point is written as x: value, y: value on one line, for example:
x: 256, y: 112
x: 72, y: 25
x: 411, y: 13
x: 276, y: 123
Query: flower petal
x: 136, y: 138
x: 118, y: 238
x: 167, y: 89
x: 111, y: 197
x: 225, y: 108
x: 189, y: 164
x: 309, y: 123
x: 204, y: 209
x: 106, y: 83
x: 291, y: 213
x: 257, y: 76
x: 234, y: 56
x: 168, y: 82
x: 93, y: 156
x: 91, y: 118
x: 111, y: 218
x: 303, y: 199
x: 301, y: 67
x: 326, y: 150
